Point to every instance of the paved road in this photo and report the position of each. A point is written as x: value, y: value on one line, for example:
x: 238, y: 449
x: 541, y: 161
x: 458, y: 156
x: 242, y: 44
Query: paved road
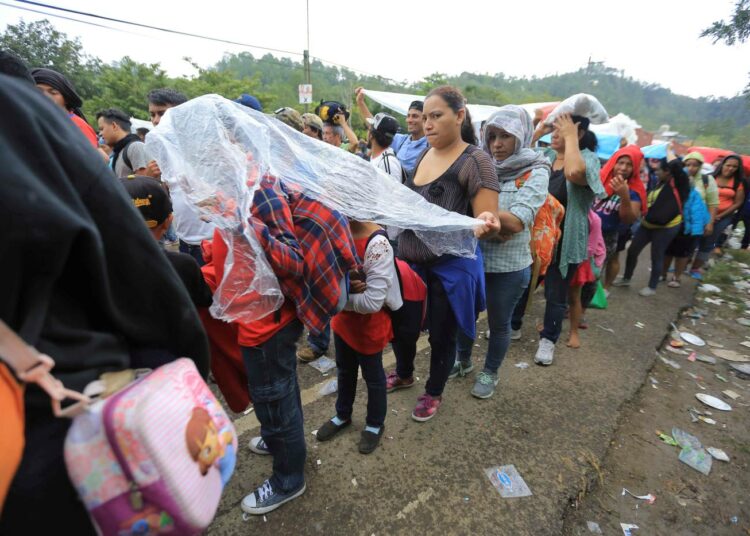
x: 554, y: 424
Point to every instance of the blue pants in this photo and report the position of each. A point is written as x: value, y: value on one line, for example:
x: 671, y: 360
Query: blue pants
x: 715, y: 240
x: 319, y: 343
x: 348, y: 363
x: 503, y: 292
x: 193, y: 251
x: 272, y: 381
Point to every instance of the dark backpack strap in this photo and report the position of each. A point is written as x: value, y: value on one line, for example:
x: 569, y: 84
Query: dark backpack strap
x: 386, y: 157
x: 125, y: 158
x: 676, y: 195
x: 704, y: 178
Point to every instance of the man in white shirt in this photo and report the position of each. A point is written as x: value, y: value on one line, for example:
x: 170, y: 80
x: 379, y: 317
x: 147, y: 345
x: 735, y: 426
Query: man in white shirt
x: 190, y: 228
x: 383, y: 129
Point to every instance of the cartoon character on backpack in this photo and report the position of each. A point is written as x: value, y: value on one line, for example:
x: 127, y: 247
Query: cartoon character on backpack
x: 209, y: 446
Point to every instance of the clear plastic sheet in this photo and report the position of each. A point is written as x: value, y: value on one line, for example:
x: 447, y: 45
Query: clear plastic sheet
x: 580, y: 104
x: 215, y: 149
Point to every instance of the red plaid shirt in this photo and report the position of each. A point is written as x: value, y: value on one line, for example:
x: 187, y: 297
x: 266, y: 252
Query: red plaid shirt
x: 309, y: 247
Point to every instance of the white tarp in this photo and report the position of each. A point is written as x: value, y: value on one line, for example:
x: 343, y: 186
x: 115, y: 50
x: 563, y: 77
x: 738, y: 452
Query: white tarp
x: 620, y: 125
x: 399, y: 102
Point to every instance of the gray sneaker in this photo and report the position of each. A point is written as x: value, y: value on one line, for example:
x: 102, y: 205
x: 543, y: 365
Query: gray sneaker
x: 545, y: 353
x: 460, y: 369
x: 484, y: 386
x: 266, y: 499
x: 621, y: 282
x: 258, y: 446
x: 515, y: 334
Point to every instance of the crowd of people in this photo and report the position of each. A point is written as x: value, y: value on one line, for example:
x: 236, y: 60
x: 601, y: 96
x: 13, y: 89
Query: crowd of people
x: 88, y: 285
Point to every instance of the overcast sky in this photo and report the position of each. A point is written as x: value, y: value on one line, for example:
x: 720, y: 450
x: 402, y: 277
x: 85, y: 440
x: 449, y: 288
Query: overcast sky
x: 655, y: 41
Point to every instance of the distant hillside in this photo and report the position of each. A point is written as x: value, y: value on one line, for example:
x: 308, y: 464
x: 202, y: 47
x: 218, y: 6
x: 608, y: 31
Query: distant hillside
x: 719, y: 122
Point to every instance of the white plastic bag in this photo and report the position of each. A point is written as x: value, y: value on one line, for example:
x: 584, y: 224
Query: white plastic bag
x: 581, y: 104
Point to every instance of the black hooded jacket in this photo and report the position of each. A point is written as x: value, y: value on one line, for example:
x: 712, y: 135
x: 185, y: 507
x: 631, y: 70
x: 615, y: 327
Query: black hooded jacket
x: 81, y: 278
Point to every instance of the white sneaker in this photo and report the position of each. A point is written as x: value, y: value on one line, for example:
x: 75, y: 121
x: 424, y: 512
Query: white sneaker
x: 515, y: 334
x: 621, y: 282
x: 646, y: 292
x: 545, y: 353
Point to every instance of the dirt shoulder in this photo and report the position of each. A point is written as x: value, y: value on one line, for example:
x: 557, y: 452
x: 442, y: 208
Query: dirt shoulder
x: 687, y: 501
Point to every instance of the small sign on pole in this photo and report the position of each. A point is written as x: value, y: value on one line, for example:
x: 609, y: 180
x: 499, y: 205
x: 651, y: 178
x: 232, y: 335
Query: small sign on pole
x: 305, y: 93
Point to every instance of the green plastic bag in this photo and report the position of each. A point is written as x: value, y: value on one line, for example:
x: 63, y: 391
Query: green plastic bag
x: 599, y: 301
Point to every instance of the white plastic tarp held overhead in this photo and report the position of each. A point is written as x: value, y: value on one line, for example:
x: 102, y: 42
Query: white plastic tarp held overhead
x: 214, y: 150
x: 399, y: 102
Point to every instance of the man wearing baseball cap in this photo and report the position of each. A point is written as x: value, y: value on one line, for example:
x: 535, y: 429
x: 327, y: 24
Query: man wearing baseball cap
x: 408, y: 147
x: 313, y: 125
x: 383, y: 128
x: 290, y: 117
x: 152, y: 201
x: 250, y: 101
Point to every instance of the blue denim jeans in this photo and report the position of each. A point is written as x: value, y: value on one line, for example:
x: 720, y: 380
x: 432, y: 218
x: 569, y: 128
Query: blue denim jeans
x: 194, y: 251
x: 319, y: 343
x: 348, y: 363
x: 272, y: 379
x: 503, y: 292
x: 714, y: 240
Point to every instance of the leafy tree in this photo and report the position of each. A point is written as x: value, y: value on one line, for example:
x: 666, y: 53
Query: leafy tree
x: 124, y: 85
x: 41, y: 45
x: 737, y: 29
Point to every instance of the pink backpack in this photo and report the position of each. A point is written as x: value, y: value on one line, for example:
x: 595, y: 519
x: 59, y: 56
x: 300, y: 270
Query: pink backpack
x: 154, y: 457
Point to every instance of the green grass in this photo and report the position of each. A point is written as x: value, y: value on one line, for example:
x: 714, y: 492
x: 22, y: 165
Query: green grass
x: 723, y: 273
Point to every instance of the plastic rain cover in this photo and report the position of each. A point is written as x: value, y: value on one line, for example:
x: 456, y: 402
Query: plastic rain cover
x: 214, y: 150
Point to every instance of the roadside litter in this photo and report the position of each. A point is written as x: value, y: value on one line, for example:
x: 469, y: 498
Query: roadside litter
x: 594, y: 527
x: 323, y: 364
x: 628, y: 528
x: 730, y: 355
x: 329, y: 388
x: 707, y: 287
x: 718, y: 454
x: 692, y: 452
x: 648, y: 498
x: 508, y: 483
x: 713, y: 402
x: 522, y: 365
x: 673, y: 364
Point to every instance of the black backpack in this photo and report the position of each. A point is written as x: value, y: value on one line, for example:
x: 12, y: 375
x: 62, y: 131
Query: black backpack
x: 404, y: 175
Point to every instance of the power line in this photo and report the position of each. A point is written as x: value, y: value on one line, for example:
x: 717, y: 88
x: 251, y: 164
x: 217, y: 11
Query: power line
x: 71, y: 19
x: 157, y: 28
x: 275, y: 62
x: 187, y: 34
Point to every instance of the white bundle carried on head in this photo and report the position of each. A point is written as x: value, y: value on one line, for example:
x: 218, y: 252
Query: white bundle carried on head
x: 581, y: 104
x: 213, y: 150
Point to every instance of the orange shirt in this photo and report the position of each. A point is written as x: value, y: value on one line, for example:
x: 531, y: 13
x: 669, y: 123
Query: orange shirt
x: 85, y: 129
x: 726, y: 196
